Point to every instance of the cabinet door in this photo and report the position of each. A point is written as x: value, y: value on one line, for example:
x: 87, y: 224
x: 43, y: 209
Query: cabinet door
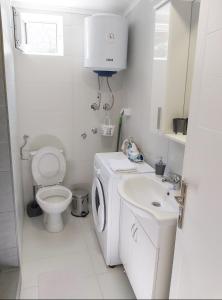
x: 127, y: 225
x: 171, y: 58
x: 143, y: 258
x: 138, y: 254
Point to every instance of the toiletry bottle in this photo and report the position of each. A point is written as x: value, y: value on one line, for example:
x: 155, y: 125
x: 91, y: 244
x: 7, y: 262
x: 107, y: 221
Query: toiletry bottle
x: 160, y: 167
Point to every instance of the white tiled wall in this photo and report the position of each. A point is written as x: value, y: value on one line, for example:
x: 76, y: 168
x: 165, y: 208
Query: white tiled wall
x: 55, y: 93
x: 8, y: 239
x: 54, y: 97
x: 137, y: 90
x: 11, y: 198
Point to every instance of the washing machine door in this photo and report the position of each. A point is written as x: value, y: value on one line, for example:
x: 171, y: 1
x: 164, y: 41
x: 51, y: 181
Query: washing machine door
x: 98, y: 205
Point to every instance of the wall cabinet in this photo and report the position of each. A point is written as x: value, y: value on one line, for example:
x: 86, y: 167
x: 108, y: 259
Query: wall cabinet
x: 175, y: 35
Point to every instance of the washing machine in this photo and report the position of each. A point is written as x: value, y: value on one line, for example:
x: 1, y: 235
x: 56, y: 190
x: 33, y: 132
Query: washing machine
x: 106, y: 203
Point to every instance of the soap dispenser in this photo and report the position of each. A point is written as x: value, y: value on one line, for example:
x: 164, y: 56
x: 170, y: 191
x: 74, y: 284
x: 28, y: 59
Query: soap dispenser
x: 160, y: 167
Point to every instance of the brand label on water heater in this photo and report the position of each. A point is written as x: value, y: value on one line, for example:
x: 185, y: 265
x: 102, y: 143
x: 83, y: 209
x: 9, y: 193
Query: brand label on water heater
x: 109, y: 59
x: 111, y: 36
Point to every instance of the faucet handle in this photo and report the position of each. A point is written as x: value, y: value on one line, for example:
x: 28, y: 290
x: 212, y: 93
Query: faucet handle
x: 176, y: 178
x: 173, y: 178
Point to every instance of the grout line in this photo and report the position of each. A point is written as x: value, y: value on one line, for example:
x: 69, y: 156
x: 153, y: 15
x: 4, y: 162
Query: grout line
x: 90, y: 251
x: 23, y: 288
x: 29, y: 288
x: 213, y: 31
x: 99, y: 285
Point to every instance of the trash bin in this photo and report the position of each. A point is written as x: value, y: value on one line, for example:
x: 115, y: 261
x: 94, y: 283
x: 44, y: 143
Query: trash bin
x: 80, y: 201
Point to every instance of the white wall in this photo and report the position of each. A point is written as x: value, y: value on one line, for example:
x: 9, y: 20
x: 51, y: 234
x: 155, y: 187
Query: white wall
x: 137, y: 90
x: 54, y: 97
x: 12, y: 118
x: 55, y: 93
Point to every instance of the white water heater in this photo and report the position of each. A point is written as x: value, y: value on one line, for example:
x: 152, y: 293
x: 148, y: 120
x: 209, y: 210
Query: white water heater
x: 106, y: 39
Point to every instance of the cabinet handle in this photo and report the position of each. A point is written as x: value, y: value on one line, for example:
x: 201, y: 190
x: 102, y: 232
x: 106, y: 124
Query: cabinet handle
x: 134, y: 235
x: 132, y: 228
x: 159, y: 111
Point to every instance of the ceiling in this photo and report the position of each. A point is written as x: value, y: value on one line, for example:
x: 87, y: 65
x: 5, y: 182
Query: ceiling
x: 111, y: 6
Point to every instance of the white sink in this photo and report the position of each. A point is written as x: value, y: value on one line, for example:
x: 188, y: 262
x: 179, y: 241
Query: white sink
x: 149, y: 195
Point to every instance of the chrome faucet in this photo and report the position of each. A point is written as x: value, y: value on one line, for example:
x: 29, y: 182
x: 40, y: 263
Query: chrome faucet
x: 173, y: 178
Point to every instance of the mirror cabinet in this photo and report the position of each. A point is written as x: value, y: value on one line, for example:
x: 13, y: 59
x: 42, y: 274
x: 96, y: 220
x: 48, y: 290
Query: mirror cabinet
x: 174, y: 47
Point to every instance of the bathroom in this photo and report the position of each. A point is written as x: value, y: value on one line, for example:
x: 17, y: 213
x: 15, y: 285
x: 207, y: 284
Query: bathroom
x: 51, y: 100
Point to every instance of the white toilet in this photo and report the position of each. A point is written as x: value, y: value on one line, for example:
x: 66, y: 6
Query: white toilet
x: 48, y: 170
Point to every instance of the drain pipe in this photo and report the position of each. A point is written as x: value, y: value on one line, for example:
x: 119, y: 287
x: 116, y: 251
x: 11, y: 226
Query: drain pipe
x: 125, y: 112
x: 119, y: 130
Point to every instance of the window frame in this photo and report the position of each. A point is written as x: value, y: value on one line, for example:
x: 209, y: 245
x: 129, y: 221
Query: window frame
x: 21, y: 22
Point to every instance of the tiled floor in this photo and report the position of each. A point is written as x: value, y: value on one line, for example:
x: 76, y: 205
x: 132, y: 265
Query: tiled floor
x: 9, y: 280
x: 68, y: 264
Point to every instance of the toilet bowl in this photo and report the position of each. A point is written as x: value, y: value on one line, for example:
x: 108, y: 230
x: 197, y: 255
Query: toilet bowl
x: 48, y: 170
x: 54, y: 200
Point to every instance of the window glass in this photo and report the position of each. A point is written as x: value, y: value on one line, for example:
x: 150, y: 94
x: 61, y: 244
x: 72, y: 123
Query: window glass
x: 41, y: 37
x: 42, y: 34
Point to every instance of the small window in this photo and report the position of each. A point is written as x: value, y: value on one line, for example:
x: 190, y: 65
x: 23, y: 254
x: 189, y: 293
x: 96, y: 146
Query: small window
x: 39, y: 34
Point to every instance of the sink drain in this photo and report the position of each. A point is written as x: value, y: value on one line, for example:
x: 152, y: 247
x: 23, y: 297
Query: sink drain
x: 156, y: 204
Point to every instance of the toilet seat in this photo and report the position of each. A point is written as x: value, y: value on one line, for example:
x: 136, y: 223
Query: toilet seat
x: 48, y: 166
x: 54, y: 199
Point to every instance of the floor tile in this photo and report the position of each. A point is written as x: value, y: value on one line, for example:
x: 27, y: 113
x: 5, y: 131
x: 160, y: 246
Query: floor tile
x: 38, y: 243
x: 69, y: 264
x: 29, y: 293
x: 80, y: 262
x: 93, y: 246
x: 98, y: 262
x: 9, y: 283
x: 115, y: 285
x: 90, y: 239
x: 68, y: 285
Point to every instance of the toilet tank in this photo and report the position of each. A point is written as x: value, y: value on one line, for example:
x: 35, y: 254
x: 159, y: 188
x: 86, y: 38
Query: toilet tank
x: 106, y: 38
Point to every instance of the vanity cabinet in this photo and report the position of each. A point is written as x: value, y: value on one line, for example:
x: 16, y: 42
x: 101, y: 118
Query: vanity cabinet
x: 138, y: 254
x: 146, y: 251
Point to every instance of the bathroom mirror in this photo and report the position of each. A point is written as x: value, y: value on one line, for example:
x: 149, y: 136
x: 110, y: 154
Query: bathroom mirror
x: 175, y: 35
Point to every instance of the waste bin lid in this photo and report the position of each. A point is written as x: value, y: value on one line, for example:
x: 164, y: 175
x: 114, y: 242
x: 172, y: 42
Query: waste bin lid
x: 80, y: 193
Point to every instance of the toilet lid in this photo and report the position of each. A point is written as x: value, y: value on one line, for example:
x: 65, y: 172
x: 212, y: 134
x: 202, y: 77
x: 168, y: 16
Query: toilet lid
x: 48, y: 166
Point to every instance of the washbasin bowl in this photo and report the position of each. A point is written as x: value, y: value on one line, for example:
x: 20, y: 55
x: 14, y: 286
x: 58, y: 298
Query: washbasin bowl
x: 149, y: 196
